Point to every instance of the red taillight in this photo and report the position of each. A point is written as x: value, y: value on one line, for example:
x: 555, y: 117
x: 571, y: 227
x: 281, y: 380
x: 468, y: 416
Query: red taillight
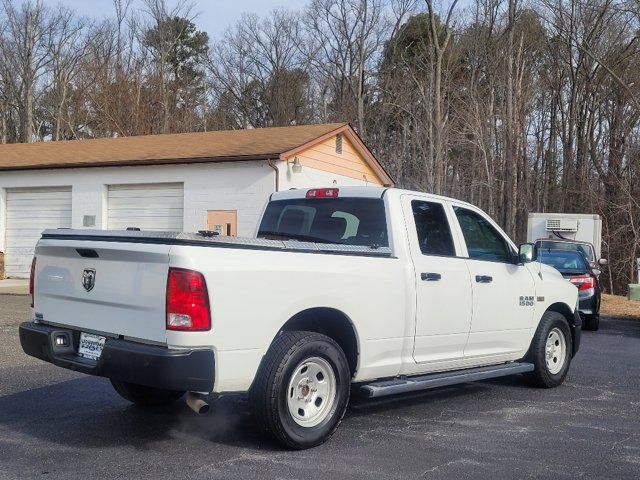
x: 187, y: 301
x: 323, y: 193
x: 583, y: 282
x: 32, y: 280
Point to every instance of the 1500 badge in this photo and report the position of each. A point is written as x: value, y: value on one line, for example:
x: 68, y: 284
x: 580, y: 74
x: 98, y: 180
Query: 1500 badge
x: 527, y: 300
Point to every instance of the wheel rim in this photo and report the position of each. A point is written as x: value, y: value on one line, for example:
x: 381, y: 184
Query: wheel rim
x: 555, y: 351
x: 311, y: 392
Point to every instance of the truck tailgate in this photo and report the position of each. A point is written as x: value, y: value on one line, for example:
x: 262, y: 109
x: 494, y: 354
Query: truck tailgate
x: 125, y: 297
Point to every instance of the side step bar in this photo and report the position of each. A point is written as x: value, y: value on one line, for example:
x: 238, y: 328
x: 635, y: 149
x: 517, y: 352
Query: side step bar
x: 423, y: 382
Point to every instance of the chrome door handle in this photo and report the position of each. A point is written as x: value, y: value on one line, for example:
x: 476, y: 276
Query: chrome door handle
x: 484, y: 279
x: 430, y: 277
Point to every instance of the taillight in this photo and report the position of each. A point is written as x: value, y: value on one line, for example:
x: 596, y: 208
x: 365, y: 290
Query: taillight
x: 583, y: 282
x: 323, y: 193
x: 187, y: 301
x: 32, y: 280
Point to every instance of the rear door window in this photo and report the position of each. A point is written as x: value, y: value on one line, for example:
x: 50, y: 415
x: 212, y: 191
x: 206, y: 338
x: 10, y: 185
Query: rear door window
x: 432, y: 226
x: 347, y: 221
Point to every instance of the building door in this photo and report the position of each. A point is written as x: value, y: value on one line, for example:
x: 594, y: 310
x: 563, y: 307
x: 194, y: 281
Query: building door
x: 225, y: 222
x: 29, y: 212
x: 147, y: 206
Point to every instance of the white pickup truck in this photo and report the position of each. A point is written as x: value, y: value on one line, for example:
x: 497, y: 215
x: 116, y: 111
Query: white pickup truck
x: 386, y: 290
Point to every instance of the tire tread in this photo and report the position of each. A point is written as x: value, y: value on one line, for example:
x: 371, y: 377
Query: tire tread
x: 541, y: 377
x: 264, y: 396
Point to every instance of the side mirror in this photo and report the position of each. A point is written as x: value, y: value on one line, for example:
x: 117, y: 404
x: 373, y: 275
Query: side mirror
x: 603, y: 262
x: 526, y: 252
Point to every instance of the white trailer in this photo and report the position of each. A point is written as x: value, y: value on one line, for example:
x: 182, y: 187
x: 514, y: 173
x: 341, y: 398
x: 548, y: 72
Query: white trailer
x: 571, y: 226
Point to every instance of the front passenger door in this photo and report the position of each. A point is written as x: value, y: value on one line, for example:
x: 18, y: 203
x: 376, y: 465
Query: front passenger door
x: 503, y: 290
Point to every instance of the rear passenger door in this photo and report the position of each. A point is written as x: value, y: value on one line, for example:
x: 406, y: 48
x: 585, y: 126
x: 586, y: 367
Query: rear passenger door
x: 503, y: 289
x: 443, y: 288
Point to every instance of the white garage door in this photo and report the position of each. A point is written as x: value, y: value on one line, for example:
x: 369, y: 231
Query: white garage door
x: 29, y: 212
x: 149, y: 206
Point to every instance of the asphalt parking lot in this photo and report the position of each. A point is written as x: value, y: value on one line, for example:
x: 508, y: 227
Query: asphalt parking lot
x: 59, y: 424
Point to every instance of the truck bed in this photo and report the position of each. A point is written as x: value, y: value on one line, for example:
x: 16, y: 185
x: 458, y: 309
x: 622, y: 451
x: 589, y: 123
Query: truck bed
x: 196, y: 239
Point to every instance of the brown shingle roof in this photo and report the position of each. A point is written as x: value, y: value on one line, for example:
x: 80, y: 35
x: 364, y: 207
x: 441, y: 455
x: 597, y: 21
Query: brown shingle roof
x: 222, y: 145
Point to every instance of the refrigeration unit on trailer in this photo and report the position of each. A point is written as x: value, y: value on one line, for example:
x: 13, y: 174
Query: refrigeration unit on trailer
x: 577, y: 227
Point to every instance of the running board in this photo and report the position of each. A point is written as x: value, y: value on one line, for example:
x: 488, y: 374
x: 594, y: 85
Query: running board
x: 433, y: 380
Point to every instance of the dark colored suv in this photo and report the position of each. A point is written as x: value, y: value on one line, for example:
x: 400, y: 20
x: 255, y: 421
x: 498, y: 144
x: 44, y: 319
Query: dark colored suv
x: 575, y: 267
x: 585, y: 248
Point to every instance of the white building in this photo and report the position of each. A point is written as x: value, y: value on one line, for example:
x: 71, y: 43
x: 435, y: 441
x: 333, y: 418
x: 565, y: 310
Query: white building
x: 212, y: 180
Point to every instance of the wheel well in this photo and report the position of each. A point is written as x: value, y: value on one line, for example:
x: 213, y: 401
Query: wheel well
x: 564, y: 310
x: 332, y: 323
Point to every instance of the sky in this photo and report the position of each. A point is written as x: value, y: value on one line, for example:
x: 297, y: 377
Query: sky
x: 212, y: 16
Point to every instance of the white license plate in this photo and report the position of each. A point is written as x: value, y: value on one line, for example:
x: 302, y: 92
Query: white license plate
x: 91, y: 345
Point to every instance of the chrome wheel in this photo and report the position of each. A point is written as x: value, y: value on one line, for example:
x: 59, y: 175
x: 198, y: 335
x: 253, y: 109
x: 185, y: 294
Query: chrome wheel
x: 311, y: 392
x: 555, y: 351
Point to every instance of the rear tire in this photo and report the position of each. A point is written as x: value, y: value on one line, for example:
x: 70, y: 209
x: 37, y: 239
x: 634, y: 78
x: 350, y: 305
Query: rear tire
x: 591, y: 322
x: 302, y: 389
x: 550, y: 351
x: 146, y: 396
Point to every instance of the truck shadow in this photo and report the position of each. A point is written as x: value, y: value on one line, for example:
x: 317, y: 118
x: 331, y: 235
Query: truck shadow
x: 86, y: 413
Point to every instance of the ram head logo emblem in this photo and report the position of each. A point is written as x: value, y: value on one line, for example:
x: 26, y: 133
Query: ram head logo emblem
x: 89, y: 278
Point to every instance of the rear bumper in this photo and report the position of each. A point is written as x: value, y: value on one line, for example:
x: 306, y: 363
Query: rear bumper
x: 589, y: 305
x: 127, y: 361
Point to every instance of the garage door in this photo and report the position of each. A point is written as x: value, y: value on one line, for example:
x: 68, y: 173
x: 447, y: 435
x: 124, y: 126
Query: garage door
x: 149, y: 206
x: 29, y: 212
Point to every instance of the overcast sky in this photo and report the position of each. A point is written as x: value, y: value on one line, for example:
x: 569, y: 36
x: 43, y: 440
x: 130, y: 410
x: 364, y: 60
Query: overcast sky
x: 213, y: 16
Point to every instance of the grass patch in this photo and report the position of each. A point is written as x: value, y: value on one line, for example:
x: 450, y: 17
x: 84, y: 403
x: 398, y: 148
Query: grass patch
x: 619, y: 307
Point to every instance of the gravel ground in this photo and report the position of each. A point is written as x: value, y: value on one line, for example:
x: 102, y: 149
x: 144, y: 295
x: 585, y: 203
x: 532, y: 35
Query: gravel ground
x: 59, y: 424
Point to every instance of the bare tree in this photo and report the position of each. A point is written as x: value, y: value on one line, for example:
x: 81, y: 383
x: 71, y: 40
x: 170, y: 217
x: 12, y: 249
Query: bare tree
x: 25, y: 52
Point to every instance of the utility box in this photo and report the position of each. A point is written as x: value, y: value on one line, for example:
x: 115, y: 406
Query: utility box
x: 570, y: 226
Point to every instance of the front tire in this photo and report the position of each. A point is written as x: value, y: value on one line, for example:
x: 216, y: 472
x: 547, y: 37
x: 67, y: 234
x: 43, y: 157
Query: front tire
x: 145, y: 396
x: 550, y: 351
x: 302, y: 388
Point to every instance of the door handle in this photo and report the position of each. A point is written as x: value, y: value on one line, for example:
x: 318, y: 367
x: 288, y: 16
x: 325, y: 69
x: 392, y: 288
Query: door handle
x: 484, y: 279
x: 430, y: 277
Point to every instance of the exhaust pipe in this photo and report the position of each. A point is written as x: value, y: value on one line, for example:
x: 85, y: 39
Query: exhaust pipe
x: 196, y: 403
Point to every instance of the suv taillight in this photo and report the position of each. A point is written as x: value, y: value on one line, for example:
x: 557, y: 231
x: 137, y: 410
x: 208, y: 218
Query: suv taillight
x: 187, y: 301
x: 583, y: 282
x: 32, y: 280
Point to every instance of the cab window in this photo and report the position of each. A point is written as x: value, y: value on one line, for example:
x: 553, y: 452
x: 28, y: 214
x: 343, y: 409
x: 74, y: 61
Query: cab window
x: 483, y: 241
x: 345, y: 221
x: 434, y: 234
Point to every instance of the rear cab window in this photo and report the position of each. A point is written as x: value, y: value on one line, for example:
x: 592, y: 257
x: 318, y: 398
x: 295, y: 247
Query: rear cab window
x: 343, y: 221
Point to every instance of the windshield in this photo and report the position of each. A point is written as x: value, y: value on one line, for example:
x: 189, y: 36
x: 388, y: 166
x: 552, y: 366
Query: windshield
x: 563, y: 260
x: 346, y: 221
x: 584, y: 248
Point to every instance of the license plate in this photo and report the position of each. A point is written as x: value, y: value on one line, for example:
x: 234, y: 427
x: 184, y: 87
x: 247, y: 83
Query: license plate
x: 91, y: 345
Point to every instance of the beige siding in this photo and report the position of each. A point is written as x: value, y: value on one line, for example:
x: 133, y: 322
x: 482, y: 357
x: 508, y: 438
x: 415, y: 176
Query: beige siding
x: 323, y: 156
